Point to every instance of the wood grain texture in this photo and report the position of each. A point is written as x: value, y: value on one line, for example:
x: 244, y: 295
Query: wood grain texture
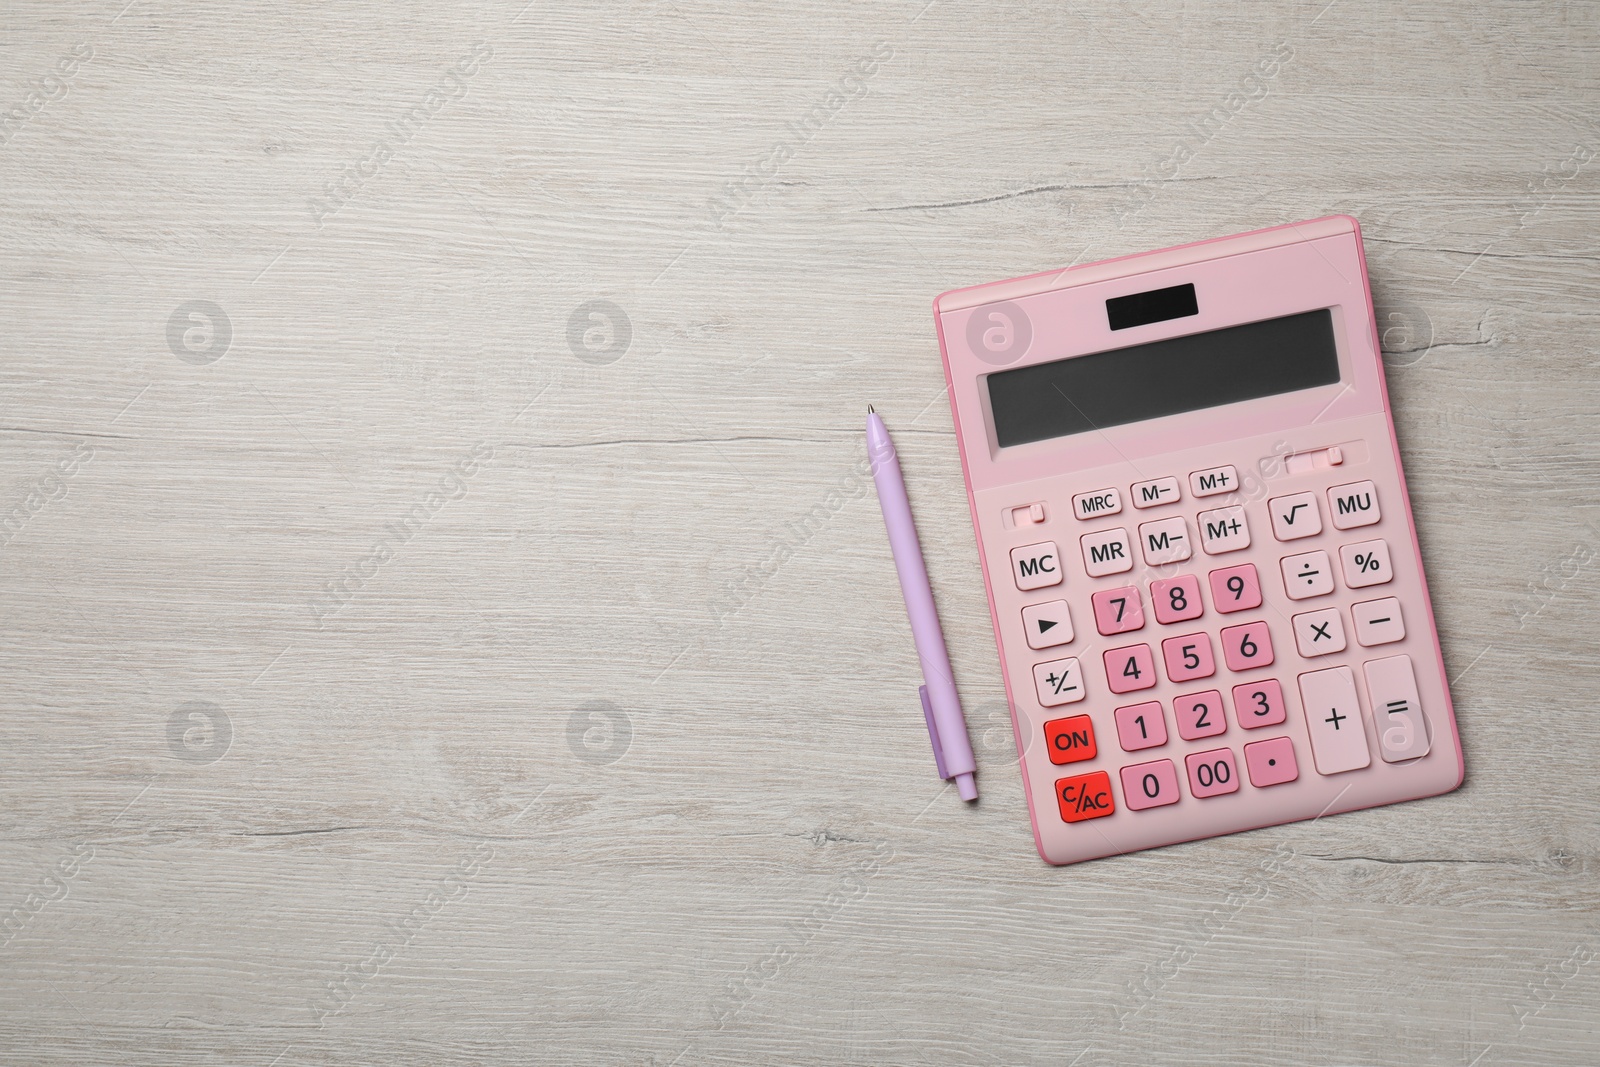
x: 607, y: 748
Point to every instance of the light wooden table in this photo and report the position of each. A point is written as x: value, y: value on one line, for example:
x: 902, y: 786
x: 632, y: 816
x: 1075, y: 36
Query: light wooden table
x: 408, y: 659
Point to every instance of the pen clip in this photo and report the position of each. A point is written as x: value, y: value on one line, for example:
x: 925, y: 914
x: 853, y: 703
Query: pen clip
x: 933, y: 732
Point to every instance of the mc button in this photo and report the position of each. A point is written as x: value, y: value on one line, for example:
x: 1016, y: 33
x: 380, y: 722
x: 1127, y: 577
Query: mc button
x: 1088, y: 796
x: 1036, y: 566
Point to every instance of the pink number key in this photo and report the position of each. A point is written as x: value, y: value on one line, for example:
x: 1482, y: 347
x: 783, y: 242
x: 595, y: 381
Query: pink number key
x: 1236, y: 588
x: 1117, y: 611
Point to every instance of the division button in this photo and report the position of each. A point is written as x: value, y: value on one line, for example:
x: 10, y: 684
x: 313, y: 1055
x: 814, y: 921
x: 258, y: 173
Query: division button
x: 1036, y: 566
x: 1058, y: 682
x: 1333, y: 719
x: 1224, y: 530
x: 1166, y: 541
x: 1087, y: 796
x: 1378, y: 622
x: 1214, y: 481
x: 1150, y: 785
x: 1353, y: 505
x: 1294, y: 517
x: 1047, y: 625
x: 1107, y: 552
x: 1307, y: 575
x: 1098, y: 503
x: 1069, y: 740
x: 1271, y: 762
x: 1156, y: 492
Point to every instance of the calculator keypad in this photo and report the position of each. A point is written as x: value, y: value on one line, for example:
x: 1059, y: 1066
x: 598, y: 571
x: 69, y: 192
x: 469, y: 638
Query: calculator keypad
x: 1217, y: 669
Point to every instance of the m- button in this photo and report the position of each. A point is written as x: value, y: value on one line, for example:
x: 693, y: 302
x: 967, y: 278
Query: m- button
x: 1036, y: 566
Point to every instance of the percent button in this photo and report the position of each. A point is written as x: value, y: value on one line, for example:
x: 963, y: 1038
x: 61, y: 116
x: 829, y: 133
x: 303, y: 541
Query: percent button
x: 1366, y: 564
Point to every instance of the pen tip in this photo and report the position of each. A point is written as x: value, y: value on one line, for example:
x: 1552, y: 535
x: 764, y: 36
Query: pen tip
x: 869, y: 409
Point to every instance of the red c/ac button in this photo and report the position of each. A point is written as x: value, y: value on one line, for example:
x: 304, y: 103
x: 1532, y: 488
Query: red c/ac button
x: 1088, y: 796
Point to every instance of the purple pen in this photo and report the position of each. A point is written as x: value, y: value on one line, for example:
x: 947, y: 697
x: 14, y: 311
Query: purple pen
x: 941, y: 707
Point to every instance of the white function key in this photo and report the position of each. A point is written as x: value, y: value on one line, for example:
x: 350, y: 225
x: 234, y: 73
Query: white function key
x: 1098, y: 503
x: 1353, y: 505
x: 1036, y: 566
x: 1058, y: 682
x: 1319, y: 633
x: 1333, y: 719
x: 1378, y: 622
x: 1294, y: 517
x: 1047, y: 625
x: 1307, y: 575
x: 1155, y: 492
x: 1214, y: 481
x: 1107, y: 552
x: 1166, y: 541
x: 1366, y: 564
x: 1224, y: 530
x: 1396, y: 709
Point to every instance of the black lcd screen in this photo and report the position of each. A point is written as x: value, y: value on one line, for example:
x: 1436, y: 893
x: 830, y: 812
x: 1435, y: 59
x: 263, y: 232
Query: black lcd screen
x: 1158, y: 305
x: 1148, y: 381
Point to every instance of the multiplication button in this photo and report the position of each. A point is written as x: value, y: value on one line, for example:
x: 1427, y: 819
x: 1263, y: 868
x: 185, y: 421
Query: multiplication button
x: 1319, y: 633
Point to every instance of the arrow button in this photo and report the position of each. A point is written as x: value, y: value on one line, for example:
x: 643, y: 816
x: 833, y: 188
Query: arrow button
x: 1047, y: 625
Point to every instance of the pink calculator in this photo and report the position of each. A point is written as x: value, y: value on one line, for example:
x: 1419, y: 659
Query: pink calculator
x: 1198, y: 547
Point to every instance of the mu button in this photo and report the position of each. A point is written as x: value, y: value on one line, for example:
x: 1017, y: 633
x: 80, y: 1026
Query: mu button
x: 1070, y: 740
x: 1088, y: 796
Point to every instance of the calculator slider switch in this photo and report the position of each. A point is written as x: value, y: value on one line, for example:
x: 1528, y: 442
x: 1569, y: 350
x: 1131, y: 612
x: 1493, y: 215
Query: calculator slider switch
x: 1300, y: 462
x: 1027, y: 515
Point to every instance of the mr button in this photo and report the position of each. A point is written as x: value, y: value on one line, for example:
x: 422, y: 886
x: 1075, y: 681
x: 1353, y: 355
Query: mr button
x: 1036, y: 566
x: 1088, y: 796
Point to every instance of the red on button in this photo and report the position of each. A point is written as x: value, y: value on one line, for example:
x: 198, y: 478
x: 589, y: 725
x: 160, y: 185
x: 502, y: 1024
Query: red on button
x: 1070, y: 740
x: 1088, y: 796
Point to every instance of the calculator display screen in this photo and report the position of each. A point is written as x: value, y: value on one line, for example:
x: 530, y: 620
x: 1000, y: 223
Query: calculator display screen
x: 1147, y: 381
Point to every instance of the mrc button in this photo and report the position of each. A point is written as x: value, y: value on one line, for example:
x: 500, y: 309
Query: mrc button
x: 1100, y: 502
x: 1069, y: 740
x: 1036, y: 566
x: 1086, y: 796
